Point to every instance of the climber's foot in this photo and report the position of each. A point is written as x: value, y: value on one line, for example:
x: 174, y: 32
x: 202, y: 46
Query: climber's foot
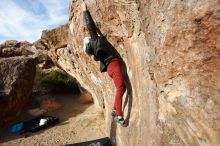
x: 121, y: 121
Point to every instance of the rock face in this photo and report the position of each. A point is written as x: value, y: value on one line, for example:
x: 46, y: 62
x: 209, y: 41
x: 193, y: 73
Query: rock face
x: 38, y: 50
x: 55, y: 39
x: 172, y: 54
x: 14, y: 48
x: 16, y: 80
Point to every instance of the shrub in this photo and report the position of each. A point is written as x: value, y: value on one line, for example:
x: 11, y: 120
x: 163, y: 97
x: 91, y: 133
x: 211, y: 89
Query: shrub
x: 54, y: 81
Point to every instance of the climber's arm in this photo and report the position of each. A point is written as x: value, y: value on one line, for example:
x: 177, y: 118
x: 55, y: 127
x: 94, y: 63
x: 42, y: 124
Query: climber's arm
x: 89, y: 21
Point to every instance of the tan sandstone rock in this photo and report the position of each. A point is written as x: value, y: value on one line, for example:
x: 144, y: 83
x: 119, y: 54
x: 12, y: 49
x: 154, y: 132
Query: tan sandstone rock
x: 172, y: 56
x: 16, y: 80
x: 38, y: 50
x: 12, y: 48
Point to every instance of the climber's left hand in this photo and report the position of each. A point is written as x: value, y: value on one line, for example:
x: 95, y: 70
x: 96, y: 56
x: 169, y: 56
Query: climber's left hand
x: 83, y: 5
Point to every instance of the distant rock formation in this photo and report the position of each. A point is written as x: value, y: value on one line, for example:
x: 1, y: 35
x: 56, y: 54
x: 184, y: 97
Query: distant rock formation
x: 16, y: 81
x: 55, y: 39
x: 171, y: 50
x: 18, y: 61
x: 38, y: 50
x: 12, y: 48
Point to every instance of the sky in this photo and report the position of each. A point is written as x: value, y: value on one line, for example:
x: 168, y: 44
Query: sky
x: 25, y: 19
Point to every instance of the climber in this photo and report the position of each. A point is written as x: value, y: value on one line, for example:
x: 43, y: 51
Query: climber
x: 98, y: 47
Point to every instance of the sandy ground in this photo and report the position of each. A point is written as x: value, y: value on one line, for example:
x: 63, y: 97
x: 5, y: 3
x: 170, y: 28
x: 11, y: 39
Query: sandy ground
x: 78, y: 122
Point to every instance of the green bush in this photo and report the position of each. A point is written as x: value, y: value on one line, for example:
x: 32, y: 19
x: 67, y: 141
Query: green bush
x: 54, y: 81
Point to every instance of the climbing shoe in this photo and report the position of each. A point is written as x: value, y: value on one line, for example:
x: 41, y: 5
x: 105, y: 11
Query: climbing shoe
x: 121, y: 121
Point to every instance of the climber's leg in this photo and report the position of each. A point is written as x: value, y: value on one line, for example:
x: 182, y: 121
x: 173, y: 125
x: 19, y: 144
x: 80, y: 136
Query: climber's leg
x: 114, y: 71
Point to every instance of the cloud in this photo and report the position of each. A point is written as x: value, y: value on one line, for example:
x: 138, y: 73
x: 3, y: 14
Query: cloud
x: 25, y: 19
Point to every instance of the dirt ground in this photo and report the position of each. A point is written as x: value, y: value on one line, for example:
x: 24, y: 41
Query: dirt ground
x: 78, y: 122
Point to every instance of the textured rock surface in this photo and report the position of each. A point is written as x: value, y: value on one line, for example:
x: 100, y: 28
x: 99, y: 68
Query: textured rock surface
x: 38, y: 50
x: 12, y: 48
x: 16, y: 80
x: 55, y: 39
x: 172, y: 53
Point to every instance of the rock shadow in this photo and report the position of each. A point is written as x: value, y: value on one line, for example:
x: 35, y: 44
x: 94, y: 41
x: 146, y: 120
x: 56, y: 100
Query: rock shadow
x: 113, y: 132
x: 71, y: 107
x: 129, y: 95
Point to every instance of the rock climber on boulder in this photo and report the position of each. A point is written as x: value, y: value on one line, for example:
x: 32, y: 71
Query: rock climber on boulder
x: 98, y: 47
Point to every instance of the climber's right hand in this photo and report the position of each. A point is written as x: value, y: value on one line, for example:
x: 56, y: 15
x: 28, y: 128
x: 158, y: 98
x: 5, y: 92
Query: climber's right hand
x: 83, y: 5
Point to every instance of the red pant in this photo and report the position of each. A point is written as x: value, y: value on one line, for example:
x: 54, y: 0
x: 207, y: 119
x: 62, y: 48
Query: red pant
x: 115, y: 72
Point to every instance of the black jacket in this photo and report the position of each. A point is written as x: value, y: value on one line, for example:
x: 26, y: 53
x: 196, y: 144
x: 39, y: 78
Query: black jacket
x: 99, y: 45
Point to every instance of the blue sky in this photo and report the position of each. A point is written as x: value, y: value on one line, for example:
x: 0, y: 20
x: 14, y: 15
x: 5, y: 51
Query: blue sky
x: 25, y: 19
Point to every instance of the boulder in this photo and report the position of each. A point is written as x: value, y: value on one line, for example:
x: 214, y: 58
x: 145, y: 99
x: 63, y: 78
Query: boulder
x: 171, y: 54
x: 12, y: 48
x: 55, y: 39
x: 16, y: 81
x: 36, y: 50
